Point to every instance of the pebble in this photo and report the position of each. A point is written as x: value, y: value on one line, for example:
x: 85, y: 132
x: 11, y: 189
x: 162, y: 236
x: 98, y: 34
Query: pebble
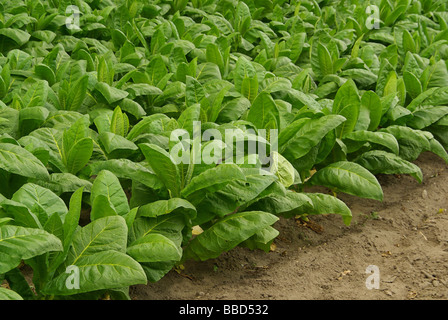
x: 424, y: 194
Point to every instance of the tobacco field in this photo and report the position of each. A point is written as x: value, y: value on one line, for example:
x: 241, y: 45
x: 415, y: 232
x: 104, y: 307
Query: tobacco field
x: 127, y: 128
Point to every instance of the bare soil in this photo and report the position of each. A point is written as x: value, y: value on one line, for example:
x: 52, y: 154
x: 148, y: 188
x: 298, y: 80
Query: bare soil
x: 405, y: 236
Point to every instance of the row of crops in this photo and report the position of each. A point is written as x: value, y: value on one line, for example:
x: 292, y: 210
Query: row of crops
x: 105, y: 106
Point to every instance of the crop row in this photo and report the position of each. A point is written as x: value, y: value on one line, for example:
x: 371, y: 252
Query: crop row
x: 136, y: 135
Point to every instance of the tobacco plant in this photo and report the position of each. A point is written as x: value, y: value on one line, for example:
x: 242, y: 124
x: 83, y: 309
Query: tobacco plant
x: 106, y: 105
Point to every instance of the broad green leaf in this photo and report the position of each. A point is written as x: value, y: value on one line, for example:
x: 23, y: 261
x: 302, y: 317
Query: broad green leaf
x: 326, y: 204
x: 108, y: 233
x: 6, y: 294
x: 188, y: 117
x: 36, y: 96
x: 154, y: 247
x: 107, y: 269
x: 17, y: 160
x: 413, y: 84
x: 284, y: 205
x: 243, y: 69
x: 107, y: 184
x: 351, y: 114
x: 349, y: 177
x: 325, y: 62
x: 77, y: 94
x: 114, y: 142
x: 283, y: 169
x: 249, y: 88
x: 214, y: 55
x: 164, y: 167
x: 213, y: 179
x: 64, y: 182
x: 19, y: 36
x: 194, y: 92
x: 79, y: 155
x: 162, y: 207
x: 264, y: 113
x: 262, y: 239
x: 378, y: 161
x: 109, y: 93
x: 19, y: 243
x: 307, y: 136
x: 227, y: 233
x: 101, y: 207
x: 69, y: 227
x: 156, y: 124
x: 40, y: 201
x: 127, y: 169
x: 425, y: 117
x: 347, y: 95
x: 156, y: 70
x: 381, y: 138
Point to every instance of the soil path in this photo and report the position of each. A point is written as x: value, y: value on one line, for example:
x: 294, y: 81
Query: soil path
x: 405, y: 236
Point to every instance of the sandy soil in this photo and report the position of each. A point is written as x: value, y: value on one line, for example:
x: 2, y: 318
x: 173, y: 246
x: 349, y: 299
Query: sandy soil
x: 405, y: 236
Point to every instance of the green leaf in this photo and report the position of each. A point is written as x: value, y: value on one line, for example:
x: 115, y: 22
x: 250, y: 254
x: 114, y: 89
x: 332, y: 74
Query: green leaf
x: 36, y: 96
x: 109, y: 93
x: 425, y: 117
x: 154, y: 247
x: 412, y: 142
x: 107, y: 233
x: 262, y: 239
x: 408, y: 42
x: 194, y: 92
x: 107, y: 185
x: 69, y: 227
x: 264, y: 113
x: 6, y: 294
x: 305, y: 135
x: 77, y: 94
x: 64, y: 182
x: 79, y: 155
x: 243, y: 69
x: 378, y: 161
x: 127, y: 169
x: 227, y: 233
x: 214, y: 56
x: 40, y: 201
x: 101, y: 207
x: 347, y: 95
x: 284, y: 205
x: 370, y: 112
x: 283, y: 169
x: 351, y: 114
x: 19, y: 36
x: 381, y: 138
x: 20, y: 213
x: 350, y: 178
x: 103, y: 270
x: 164, y: 167
x: 325, y: 61
x: 162, y: 207
x: 188, y: 117
x: 326, y: 204
x: 113, y: 142
x: 17, y: 160
x: 19, y: 243
x: 213, y: 179
x: 156, y: 70
x: 249, y: 88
